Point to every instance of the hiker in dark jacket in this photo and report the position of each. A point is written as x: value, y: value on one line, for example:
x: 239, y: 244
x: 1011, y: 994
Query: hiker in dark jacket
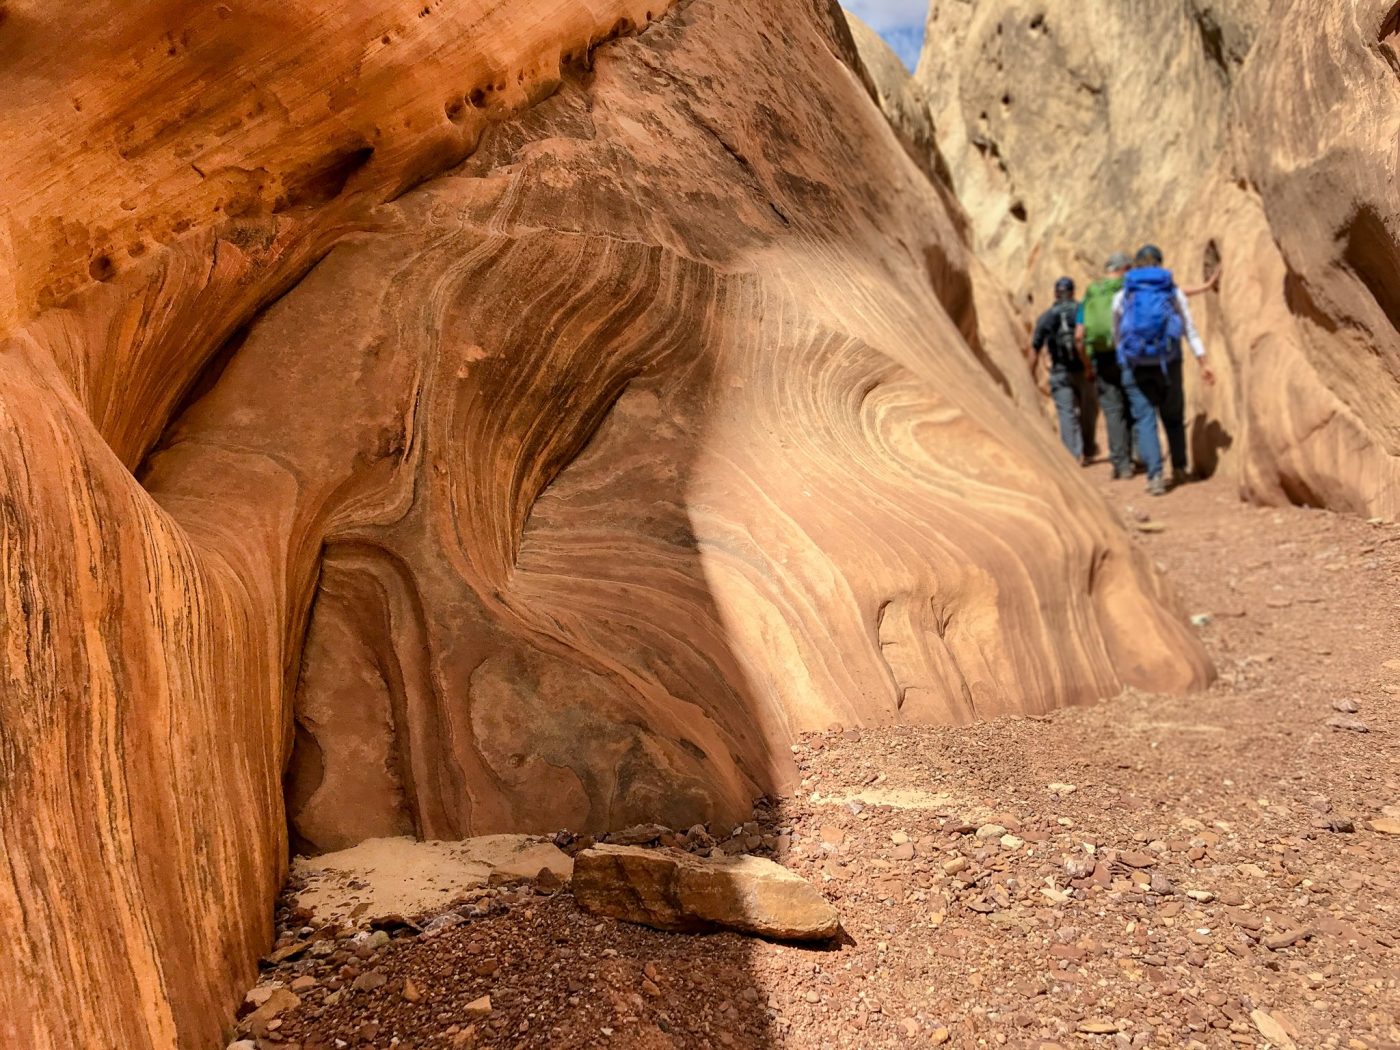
x: 1069, y: 385
x: 1095, y: 334
x: 1150, y: 318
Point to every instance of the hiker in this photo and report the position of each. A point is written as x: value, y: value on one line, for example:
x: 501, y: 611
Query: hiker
x: 1095, y: 334
x: 1069, y: 385
x: 1150, y: 318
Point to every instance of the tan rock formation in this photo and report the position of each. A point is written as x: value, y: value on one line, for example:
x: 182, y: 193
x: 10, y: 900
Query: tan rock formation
x: 562, y: 489
x: 1313, y: 327
x: 672, y: 890
x: 1074, y: 129
x: 407, y: 878
x: 901, y: 98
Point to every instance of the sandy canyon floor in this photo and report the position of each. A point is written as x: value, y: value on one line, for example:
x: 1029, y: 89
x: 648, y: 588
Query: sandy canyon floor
x: 1207, y: 871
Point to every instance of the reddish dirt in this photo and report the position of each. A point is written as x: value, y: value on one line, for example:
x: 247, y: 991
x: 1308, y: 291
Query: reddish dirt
x: 1214, y: 870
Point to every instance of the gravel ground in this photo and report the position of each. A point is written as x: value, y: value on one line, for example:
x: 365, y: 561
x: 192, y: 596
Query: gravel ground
x: 1217, y: 870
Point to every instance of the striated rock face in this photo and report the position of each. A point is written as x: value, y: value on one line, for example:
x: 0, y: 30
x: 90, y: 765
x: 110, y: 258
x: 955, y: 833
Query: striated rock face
x: 170, y: 169
x: 1311, y: 317
x: 1075, y: 129
x: 619, y: 505
x: 562, y: 489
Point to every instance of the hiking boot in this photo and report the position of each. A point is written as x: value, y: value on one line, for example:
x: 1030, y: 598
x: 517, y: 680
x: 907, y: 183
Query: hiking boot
x: 1182, y: 477
x: 1123, y: 473
x: 1156, y: 486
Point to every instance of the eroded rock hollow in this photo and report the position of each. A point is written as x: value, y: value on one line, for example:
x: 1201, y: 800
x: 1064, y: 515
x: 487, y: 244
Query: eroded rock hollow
x: 473, y: 417
x: 1260, y: 135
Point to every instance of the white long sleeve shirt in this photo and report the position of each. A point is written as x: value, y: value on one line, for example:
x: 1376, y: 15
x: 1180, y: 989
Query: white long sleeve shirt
x: 1183, y: 310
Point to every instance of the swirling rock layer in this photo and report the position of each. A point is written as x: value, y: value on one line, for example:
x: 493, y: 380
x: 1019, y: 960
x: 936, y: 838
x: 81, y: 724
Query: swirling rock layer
x: 559, y: 490
x: 1220, y: 128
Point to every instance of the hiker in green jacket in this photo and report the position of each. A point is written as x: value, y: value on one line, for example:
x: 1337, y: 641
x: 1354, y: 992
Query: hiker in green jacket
x: 1095, y: 335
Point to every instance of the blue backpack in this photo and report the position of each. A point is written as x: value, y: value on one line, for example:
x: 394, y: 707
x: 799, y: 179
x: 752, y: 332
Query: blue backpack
x: 1150, y: 330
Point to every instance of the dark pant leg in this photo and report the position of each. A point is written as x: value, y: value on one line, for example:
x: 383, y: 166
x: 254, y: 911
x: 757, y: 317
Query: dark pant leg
x: 1145, y: 388
x: 1089, y: 417
x: 1174, y: 416
x: 1064, y: 390
x: 1113, y: 401
x: 1087, y: 414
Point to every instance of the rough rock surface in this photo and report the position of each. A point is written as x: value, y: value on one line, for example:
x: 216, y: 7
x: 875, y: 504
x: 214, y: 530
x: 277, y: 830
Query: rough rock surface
x: 672, y: 890
x: 1074, y: 129
x: 562, y: 489
x: 404, y: 877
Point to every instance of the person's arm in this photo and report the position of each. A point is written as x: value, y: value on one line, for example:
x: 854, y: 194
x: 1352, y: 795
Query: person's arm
x: 1208, y: 286
x: 1117, y: 314
x: 1042, y: 333
x: 1193, y: 337
x: 1040, y: 337
x: 1038, y: 340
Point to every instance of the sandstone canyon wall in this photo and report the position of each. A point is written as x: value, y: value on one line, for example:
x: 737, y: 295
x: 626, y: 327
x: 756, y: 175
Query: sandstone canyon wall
x: 997, y: 337
x: 475, y: 426
x: 900, y: 96
x: 1263, y: 135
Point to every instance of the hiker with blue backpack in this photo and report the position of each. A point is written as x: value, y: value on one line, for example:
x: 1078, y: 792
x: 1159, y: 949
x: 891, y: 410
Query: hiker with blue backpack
x: 1055, y: 332
x: 1150, y: 319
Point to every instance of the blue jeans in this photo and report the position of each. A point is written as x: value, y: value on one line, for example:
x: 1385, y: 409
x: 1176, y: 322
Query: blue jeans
x: 1157, y: 391
x: 1070, y: 392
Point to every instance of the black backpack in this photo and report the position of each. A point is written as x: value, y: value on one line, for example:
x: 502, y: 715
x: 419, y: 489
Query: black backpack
x: 1063, y: 351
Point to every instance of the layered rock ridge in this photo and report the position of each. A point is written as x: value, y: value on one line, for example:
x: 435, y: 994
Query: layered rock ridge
x: 562, y: 489
x: 1222, y: 129
x: 168, y: 171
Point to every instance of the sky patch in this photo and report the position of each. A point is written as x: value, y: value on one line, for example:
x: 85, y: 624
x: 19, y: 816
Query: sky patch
x: 900, y: 22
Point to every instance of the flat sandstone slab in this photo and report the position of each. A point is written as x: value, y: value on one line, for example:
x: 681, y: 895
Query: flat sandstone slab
x: 401, y: 876
x: 670, y: 890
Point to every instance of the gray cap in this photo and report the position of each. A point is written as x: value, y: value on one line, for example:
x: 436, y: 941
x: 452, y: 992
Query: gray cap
x: 1117, y: 261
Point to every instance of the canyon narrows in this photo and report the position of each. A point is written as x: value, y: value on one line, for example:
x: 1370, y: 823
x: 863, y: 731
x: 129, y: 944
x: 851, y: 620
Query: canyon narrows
x: 1261, y: 136
x: 467, y: 416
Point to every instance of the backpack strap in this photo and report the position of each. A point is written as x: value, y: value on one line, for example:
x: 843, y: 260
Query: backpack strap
x: 1064, y: 338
